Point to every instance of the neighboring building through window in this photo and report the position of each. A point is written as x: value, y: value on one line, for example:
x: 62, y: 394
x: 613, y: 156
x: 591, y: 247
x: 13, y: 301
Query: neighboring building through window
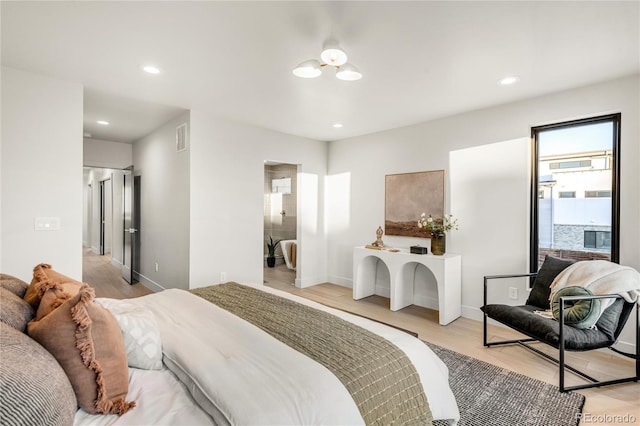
x: 597, y: 194
x: 567, y: 194
x: 575, y: 210
x: 597, y: 239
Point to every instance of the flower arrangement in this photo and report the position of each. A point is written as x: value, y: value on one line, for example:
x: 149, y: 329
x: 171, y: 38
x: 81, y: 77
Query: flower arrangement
x: 439, y: 225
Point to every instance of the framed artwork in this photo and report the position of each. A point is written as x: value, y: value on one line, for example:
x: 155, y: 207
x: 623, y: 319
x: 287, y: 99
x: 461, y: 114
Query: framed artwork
x: 407, y: 196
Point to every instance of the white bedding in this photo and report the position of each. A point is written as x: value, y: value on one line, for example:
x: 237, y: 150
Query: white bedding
x: 161, y: 399
x: 241, y: 375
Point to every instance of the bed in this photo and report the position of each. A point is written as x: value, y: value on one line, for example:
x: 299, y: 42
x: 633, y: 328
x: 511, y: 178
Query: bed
x: 226, y: 354
x: 254, y: 378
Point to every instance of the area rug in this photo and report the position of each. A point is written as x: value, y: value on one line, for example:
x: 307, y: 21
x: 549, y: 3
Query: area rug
x: 490, y: 395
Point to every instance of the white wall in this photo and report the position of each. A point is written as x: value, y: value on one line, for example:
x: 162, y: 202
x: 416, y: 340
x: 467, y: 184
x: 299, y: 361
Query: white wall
x: 41, y: 173
x: 107, y: 154
x: 164, y: 222
x: 227, y: 200
x: 441, y: 144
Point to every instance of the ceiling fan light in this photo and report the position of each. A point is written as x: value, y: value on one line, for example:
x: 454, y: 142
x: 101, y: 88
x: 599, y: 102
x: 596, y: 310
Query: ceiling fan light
x: 308, y: 69
x: 348, y: 72
x: 332, y: 54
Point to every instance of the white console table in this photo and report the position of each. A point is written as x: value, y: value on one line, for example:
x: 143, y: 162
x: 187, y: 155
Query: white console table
x: 401, y: 265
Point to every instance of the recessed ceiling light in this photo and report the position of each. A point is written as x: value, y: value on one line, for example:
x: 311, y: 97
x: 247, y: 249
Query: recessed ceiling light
x: 508, y: 80
x: 151, y: 69
x: 337, y: 125
x: 103, y: 122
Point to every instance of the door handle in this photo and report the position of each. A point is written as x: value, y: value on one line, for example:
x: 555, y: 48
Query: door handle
x: 132, y: 230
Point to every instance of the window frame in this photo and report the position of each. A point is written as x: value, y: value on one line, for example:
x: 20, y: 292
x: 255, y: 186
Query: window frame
x: 615, y: 119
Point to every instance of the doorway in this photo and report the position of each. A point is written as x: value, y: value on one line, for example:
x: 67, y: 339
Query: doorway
x: 131, y: 226
x: 280, y: 223
x: 103, y: 224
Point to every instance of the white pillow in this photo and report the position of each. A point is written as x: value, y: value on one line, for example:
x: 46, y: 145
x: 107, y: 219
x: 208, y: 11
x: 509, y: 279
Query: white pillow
x: 140, y: 332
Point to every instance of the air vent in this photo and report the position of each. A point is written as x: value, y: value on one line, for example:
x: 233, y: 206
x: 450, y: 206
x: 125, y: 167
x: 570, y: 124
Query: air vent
x: 181, y: 137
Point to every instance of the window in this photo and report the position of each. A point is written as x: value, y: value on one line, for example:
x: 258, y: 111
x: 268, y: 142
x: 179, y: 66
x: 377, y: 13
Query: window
x: 570, y: 164
x: 597, y: 239
x: 573, y: 158
x: 597, y: 194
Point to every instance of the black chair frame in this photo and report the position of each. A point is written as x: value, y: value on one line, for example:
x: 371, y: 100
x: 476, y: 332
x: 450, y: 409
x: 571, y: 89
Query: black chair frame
x: 560, y: 361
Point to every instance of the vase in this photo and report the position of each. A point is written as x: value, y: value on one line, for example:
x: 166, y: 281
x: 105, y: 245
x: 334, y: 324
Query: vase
x: 271, y: 261
x: 438, y: 244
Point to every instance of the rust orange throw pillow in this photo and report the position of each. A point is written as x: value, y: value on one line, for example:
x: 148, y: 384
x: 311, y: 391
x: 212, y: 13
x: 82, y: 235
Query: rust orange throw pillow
x: 44, y: 279
x: 86, y: 340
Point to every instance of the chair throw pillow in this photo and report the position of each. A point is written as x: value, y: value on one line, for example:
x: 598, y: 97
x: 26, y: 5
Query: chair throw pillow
x: 139, y: 331
x: 541, y: 288
x: 580, y: 313
x: 34, y: 389
x: 86, y: 340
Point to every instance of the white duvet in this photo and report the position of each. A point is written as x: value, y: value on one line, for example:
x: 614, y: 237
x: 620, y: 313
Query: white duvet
x: 240, y: 375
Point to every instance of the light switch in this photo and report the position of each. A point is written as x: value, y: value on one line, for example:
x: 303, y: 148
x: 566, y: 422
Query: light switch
x: 47, y: 224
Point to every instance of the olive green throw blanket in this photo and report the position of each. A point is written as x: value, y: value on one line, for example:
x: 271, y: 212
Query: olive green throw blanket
x: 381, y: 379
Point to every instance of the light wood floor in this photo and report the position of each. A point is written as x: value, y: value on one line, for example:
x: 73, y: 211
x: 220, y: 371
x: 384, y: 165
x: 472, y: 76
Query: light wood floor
x: 106, y: 279
x: 463, y: 335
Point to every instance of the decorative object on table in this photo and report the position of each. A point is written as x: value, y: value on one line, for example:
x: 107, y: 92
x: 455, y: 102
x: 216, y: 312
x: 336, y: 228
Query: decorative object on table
x: 271, y: 252
x: 418, y: 250
x: 409, y: 193
x: 377, y: 244
x: 437, y: 228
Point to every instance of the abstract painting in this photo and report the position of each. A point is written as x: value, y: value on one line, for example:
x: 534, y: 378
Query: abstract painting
x: 407, y: 196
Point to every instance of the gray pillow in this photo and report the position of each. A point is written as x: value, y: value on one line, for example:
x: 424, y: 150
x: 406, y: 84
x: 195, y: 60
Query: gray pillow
x: 541, y: 289
x: 580, y: 313
x: 14, y: 311
x: 13, y: 284
x: 35, y: 390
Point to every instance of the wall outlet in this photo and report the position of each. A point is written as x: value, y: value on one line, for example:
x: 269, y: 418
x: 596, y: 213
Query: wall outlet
x: 513, y: 293
x: 157, y: 267
x: 223, y: 277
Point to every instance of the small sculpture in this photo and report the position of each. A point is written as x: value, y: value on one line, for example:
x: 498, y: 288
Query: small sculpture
x: 378, y: 242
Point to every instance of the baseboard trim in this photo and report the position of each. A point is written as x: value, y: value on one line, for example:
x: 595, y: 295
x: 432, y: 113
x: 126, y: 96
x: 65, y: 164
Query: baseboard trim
x: 341, y: 281
x: 472, y: 312
x: 150, y: 284
x: 310, y: 281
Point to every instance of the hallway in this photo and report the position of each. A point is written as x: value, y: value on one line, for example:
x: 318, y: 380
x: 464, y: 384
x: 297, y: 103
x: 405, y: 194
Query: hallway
x: 106, y: 279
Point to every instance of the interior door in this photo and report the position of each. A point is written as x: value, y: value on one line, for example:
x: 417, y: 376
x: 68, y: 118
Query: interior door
x: 129, y: 228
x: 102, y: 216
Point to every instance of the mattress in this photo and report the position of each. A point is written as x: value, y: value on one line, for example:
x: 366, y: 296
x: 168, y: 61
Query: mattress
x: 231, y: 372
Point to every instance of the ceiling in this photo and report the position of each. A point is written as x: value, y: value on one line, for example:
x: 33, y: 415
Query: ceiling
x: 420, y: 60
